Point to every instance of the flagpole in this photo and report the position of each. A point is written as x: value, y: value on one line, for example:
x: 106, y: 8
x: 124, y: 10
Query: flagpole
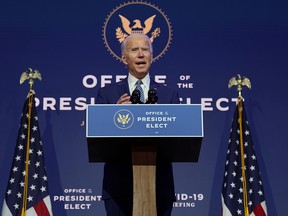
x: 240, y: 82
x: 31, y: 75
x: 244, y: 183
x: 25, y: 195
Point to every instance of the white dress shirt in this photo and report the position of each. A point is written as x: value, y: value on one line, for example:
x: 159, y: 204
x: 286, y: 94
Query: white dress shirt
x: 145, y: 84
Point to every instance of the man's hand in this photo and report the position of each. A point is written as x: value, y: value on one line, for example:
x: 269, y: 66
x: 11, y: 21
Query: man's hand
x: 124, y: 99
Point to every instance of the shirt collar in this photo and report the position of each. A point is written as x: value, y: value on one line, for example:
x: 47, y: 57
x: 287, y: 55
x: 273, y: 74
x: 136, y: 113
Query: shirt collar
x: 132, y: 81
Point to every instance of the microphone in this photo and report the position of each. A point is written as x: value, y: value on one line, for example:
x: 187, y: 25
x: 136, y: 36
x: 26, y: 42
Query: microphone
x: 152, y: 96
x: 135, y: 97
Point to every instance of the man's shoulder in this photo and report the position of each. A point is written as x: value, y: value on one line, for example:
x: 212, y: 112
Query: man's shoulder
x: 115, y: 85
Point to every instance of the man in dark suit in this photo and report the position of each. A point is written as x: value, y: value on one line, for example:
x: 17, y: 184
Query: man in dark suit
x: 137, y: 55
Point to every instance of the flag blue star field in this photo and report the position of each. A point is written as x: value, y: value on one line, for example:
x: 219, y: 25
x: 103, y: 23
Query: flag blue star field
x: 233, y: 188
x: 37, y: 202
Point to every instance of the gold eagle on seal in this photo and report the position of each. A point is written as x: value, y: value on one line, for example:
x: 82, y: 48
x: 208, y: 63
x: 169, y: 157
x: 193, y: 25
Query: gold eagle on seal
x: 123, y: 119
x: 136, y: 28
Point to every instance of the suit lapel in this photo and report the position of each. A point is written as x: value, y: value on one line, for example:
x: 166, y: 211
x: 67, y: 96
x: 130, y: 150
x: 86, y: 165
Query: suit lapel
x: 123, y: 87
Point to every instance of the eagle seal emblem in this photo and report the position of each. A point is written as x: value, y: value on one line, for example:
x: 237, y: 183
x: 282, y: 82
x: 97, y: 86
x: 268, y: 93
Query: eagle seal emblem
x: 123, y: 119
x: 137, y: 17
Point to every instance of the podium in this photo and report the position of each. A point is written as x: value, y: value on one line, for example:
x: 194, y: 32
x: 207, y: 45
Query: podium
x: 137, y: 133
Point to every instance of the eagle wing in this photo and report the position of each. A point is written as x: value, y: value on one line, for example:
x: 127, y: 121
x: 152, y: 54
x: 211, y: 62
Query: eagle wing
x: 246, y: 81
x: 232, y: 82
x: 37, y: 74
x: 23, y: 77
x: 148, y: 24
x: 125, y: 24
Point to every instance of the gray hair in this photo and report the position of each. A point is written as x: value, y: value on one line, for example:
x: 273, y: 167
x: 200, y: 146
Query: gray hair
x: 124, y: 43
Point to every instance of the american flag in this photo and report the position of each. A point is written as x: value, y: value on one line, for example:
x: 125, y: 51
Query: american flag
x: 37, y: 202
x: 232, y: 189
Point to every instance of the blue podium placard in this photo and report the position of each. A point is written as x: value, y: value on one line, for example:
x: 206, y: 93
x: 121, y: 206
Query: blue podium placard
x: 176, y: 130
x: 144, y: 120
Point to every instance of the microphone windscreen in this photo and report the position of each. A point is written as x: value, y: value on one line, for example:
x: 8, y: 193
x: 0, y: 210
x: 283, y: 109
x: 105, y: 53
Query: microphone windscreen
x: 135, y: 97
x: 152, y: 96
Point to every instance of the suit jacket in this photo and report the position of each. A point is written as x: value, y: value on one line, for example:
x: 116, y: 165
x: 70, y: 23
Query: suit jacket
x: 118, y: 177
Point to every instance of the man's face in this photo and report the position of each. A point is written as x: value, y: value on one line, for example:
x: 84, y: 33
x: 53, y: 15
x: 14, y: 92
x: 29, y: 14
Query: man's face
x: 137, y: 56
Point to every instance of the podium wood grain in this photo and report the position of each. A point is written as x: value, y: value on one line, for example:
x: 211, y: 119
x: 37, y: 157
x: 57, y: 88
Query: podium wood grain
x: 144, y: 180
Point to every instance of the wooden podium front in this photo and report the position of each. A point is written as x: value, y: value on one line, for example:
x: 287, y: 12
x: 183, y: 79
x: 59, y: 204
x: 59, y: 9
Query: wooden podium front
x: 108, y: 142
x: 144, y: 180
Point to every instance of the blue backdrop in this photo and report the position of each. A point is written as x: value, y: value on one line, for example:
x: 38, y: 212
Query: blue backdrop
x: 202, y: 44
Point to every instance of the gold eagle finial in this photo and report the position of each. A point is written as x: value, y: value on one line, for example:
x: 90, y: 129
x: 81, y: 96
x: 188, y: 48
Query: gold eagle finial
x: 239, y: 83
x: 31, y: 75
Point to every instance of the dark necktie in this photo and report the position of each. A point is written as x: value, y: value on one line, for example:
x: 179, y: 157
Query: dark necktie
x: 138, y: 87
